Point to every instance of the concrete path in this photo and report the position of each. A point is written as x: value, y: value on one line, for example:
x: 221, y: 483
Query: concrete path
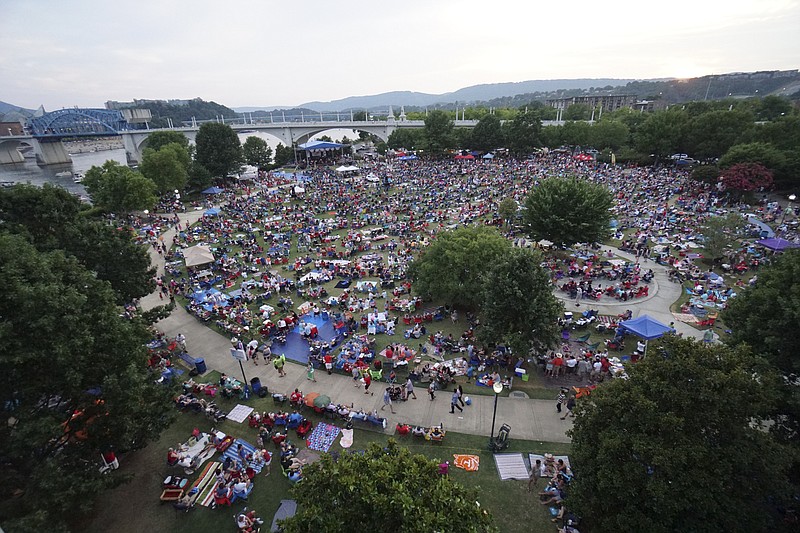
x: 529, y: 419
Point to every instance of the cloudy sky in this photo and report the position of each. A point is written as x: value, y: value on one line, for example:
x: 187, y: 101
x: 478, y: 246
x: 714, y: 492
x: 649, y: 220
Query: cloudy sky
x: 64, y: 53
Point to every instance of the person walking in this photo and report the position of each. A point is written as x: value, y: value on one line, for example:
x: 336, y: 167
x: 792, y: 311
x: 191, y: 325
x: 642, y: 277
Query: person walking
x: 432, y: 390
x: 328, y: 363
x: 278, y: 363
x: 562, y: 396
x: 570, y: 407
x: 356, y: 377
x: 181, y: 338
x: 578, y: 296
x: 460, y: 392
x: 410, y: 389
x: 454, y: 403
x: 367, y: 383
x: 387, y: 400
x: 310, y: 372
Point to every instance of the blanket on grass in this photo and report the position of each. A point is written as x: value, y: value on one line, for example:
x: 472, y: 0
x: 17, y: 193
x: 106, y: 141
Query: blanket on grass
x: 511, y: 466
x: 548, y: 473
x: 322, y: 437
x: 205, y: 482
x: 240, y: 413
x: 470, y: 463
x: 233, y: 450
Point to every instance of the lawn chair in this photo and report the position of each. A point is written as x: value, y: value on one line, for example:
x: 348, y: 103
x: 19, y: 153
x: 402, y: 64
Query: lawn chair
x: 583, y: 339
x: 592, y: 347
x: 708, y: 320
x: 501, y: 441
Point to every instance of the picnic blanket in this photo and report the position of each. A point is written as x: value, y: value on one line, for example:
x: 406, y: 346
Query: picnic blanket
x: 201, y: 448
x: 286, y: 509
x: 534, y: 456
x: 322, y: 437
x: 240, y: 413
x: 347, y: 438
x: 232, y: 452
x: 470, y: 463
x: 511, y: 466
x: 686, y: 317
x: 205, y: 483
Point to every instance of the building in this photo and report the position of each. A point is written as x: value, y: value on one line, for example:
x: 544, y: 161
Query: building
x: 608, y: 102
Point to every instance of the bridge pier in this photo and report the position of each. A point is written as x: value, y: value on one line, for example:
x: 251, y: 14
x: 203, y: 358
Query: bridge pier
x: 50, y: 152
x: 9, y: 153
x: 132, y: 152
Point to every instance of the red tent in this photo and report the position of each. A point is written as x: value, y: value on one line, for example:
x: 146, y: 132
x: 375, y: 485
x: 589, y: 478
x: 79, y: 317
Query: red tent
x: 468, y: 156
x: 584, y: 157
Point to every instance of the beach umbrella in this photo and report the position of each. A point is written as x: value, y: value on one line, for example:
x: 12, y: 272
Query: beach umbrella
x: 310, y: 397
x: 322, y: 401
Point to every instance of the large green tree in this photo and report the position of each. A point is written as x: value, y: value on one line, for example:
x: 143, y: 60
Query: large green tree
x: 611, y: 134
x: 380, y: 489
x: 406, y: 138
x: 721, y: 234
x: 159, y: 139
x: 680, y: 445
x: 51, y: 219
x: 119, y: 189
x: 568, y: 211
x: 663, y: 133
x: 488, y: 134
x: 452, y: 267
x: 74, y: 384
x: 218, y: 149
x: 283, y: 155
x: 257, y: 152
x: 523, y: 132
x: 712, y: 134
x: 438, y: 131
x: 518, y: 307
x: 168, y: 167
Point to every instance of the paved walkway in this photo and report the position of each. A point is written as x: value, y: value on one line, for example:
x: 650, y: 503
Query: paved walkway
x: 529, y: 419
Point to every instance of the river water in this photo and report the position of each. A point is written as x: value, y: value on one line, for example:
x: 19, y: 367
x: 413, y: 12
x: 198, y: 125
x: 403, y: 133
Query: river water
x: 32, y: 173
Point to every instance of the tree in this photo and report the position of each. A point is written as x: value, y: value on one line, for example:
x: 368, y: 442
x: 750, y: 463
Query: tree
x: 577, y: 133
x: 552, y: 136
x: 158, y: 139
x: 283, y: 155
x: 662, y: 133
x: 568, y: 211
x: 706, y: 173
x: 523, y: 133
x: 75, y: 384
x: 406, y: 138
x: 218, y: 149
x: 721, y: 234
x: 167, y: 168
x: 518, y: 306
x: 746, y: 177
x: 199, y: 177
x: 773, y: 107
x: 50, y: 218
x: 577, y: 112
x: 507, y: 209
x: 762, y: 153
x: 382, y: 487
x: 488, y: 134
x: 438, y: 131
x: 765, y: 317
x: 712, y: 134
x: 679, y: 446
x: 609, y: 134
x: 257, y: 152
x: 451, y: 268
x: 119, y: 189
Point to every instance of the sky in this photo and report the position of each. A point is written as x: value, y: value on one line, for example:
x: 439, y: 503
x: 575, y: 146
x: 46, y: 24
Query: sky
x: 64, y: 53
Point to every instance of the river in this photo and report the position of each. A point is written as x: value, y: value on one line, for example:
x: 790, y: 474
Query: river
x: 32, y: 173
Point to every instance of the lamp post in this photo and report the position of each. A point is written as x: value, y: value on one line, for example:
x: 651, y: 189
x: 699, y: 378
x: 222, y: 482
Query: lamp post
x: 792, y: 198
x: 497, y: 388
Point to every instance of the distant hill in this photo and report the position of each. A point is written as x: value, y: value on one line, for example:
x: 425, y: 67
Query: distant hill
x: 12, y: 113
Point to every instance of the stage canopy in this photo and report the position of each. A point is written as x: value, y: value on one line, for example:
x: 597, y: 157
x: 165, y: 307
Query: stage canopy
x: 310, y: 146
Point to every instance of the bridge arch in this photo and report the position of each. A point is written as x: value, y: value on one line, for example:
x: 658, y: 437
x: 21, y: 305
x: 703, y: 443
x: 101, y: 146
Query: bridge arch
x: 378, y: 131
x: 74, y: 122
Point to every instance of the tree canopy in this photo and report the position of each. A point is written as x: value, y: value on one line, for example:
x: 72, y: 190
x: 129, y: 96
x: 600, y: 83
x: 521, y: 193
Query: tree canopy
x: 679, y: 445
x: 488, y: 134
x: 74, y: 384
x: 256, y: 152
x: 159, y: 139
x: 438, y: 131
x: 721, y: 234
x: 568, y: 211
x: 523, y: 132
x: 383, y: 488
x: 119, y: 189
x: 452, y: 267
x: 518, y: 307
x: 167, y: 167
x: 218, y: 149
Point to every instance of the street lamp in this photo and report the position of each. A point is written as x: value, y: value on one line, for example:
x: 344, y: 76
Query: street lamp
x: 792, y: 198
x: 497, y: 388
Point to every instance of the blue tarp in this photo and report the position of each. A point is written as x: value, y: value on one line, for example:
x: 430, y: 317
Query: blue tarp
x: 646, y: 327
x: 319, y: 145
x: 213, y: 190
x: 407, y: 158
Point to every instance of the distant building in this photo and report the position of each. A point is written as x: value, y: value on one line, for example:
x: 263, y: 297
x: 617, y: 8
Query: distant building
x: 609, y: 102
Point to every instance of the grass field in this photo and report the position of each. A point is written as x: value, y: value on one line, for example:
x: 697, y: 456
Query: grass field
x: 135, y: 506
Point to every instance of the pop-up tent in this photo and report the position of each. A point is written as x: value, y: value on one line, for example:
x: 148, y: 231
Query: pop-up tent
x: 213, y: 212
x: 198, y: 255
x: 344, y: 168
x: 213, y: 190
x: 777, y: 244
x: 646, y: 327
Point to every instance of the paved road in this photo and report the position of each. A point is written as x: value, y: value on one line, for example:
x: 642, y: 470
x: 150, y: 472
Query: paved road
x: 529, y: 419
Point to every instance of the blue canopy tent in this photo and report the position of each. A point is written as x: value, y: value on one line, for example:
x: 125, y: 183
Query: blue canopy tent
x: 319, y: 145
x: 777, y: 244
x: 214, y: 190
x: 646, y: 327
x: 407, y: 158
x: 213, y: 212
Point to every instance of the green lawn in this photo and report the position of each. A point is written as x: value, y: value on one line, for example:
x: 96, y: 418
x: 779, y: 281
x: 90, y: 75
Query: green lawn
x: 135, y: 506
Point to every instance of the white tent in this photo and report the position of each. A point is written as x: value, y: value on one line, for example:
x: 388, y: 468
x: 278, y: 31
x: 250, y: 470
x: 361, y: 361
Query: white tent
x: 343, y: 168
x: 198, y: 255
